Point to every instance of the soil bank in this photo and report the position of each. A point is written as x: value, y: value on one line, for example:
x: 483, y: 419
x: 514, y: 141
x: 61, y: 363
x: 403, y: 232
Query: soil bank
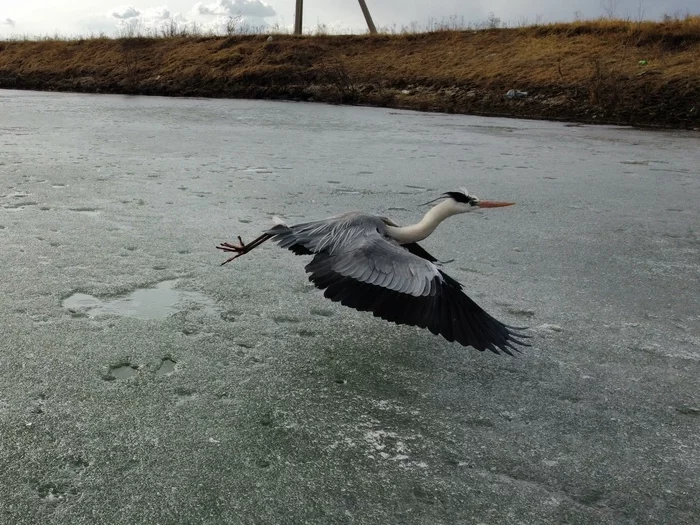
x: 613, y: 72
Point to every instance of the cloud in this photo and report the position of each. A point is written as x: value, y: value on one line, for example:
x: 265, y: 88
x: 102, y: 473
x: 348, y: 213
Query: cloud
x: 246, y: 8
x: 125, y: 12
x: 156, y: 13
x: 9, y: 22
x: 213, y: 17
x: 151, y: 20
x: 148, y: 16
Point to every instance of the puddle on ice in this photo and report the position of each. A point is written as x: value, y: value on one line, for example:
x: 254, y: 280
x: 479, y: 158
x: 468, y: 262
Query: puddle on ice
x: 146, y: 303
x: 123, y: 371
x: 167, y: 367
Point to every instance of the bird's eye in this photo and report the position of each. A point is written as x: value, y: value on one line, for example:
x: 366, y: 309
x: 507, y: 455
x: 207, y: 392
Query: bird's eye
x: 472, y: 202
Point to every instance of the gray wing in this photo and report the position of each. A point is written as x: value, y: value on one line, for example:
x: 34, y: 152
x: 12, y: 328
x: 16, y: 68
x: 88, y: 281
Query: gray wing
x: 357, y: 265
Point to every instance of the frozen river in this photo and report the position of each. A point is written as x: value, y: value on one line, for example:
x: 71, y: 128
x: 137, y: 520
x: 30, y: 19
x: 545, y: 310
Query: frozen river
x: 140, y: 382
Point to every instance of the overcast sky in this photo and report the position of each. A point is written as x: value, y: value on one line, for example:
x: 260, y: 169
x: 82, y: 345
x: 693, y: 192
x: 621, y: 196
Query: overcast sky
x: 82, y: 17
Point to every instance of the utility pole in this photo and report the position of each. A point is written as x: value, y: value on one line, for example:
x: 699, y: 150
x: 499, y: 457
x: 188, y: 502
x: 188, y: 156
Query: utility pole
x: 298, y: 17
x: 368, y: 17
x: 300, y: 8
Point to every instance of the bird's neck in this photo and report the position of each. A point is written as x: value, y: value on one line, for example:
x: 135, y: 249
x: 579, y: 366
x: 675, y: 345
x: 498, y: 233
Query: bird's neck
x: 427, y: 225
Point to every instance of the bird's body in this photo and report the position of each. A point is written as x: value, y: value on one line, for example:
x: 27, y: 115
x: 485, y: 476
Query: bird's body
x: 369, y: 263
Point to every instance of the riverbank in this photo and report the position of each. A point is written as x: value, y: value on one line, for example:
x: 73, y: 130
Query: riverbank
x: 604, y: 71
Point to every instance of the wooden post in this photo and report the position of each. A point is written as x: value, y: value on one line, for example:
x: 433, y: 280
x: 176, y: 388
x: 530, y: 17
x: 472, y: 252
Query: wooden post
x: 298, y: 17
x: 368, y: 17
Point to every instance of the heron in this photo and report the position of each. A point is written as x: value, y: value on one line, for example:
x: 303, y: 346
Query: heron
x: 370, y: 263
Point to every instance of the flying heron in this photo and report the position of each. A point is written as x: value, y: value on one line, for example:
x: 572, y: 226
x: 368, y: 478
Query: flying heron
x: 372, y: 264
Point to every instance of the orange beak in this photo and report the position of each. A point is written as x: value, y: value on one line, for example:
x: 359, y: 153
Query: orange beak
x: 494, y: 204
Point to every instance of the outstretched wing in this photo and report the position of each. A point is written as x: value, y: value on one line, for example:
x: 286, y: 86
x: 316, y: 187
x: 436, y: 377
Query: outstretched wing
x: 358, y: 266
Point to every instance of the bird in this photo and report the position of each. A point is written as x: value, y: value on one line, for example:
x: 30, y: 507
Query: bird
x: 370, y: 263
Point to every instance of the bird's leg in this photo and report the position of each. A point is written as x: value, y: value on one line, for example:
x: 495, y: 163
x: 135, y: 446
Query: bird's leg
x: 241, y: 248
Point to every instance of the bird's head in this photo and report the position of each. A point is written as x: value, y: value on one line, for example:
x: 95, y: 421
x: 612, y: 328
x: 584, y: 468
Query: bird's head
x: 462, y: 202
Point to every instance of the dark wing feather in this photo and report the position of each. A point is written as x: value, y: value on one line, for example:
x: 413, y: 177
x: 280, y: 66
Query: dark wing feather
x: 448, y: 312
x: 417, y: 249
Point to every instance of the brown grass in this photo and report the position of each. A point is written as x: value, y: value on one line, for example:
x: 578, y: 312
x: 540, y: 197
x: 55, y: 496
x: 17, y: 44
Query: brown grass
x: 584, y: 71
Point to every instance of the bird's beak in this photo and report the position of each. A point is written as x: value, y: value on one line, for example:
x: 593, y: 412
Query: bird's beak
x: 494, y: 204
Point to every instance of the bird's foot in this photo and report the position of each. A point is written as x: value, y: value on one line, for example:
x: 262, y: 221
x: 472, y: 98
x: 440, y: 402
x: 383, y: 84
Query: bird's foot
x: 242, y: 248
x: 239, y: 249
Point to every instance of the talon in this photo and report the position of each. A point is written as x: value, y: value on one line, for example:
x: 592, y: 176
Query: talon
x: 228, y: 247
x: 242, y: 248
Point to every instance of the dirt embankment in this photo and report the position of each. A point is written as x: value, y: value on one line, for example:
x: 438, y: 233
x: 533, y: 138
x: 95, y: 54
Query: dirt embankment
x: 645, y: 74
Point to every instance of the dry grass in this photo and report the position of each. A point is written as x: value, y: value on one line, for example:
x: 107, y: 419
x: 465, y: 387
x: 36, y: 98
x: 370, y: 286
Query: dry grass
x: 588, y: 71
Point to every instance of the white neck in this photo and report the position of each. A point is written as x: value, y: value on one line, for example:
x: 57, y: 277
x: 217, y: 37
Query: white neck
x: 418, y: 232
